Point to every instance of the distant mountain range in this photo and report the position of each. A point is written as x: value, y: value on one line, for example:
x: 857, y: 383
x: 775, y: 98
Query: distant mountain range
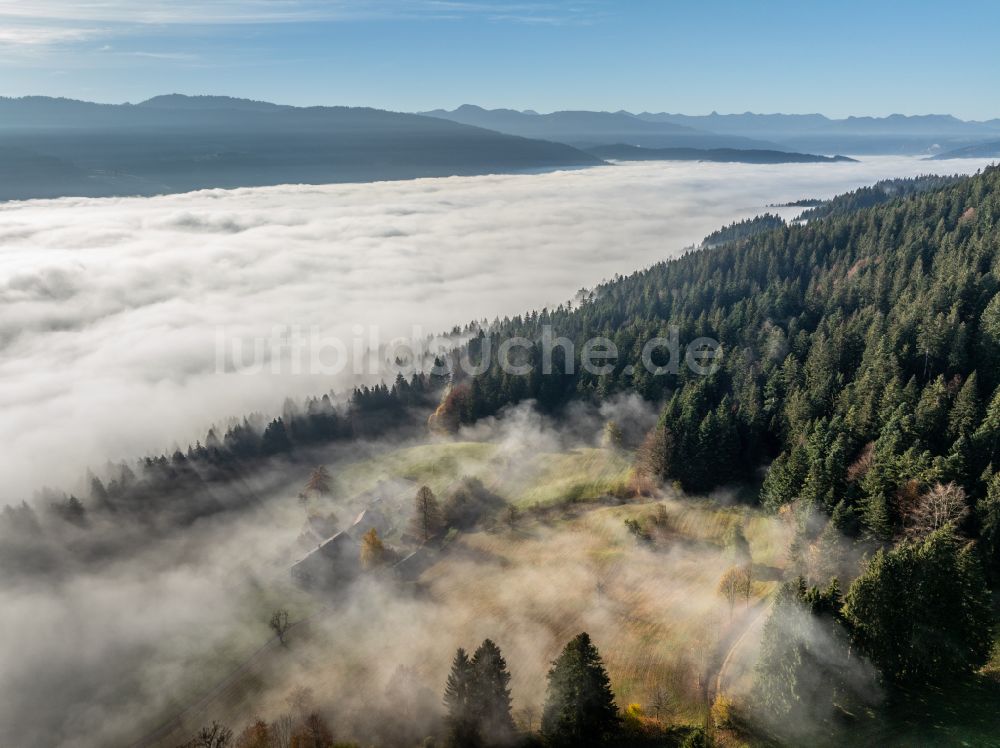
x: 588, y: 129
x: 57, y: 147
x: 60, y: 147
x: 621, y: 152
x: 813, y: 133
x: 896, y: 133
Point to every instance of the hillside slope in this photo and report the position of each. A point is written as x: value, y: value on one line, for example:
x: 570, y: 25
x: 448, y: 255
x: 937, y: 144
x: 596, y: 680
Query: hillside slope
x: 860, y: 350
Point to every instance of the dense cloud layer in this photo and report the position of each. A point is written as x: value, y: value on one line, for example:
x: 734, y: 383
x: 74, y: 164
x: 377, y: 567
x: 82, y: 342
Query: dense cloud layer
x: 109, y: 308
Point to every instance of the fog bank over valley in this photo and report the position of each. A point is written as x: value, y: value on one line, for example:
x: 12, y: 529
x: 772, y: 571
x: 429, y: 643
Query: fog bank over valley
x: 109, y: 308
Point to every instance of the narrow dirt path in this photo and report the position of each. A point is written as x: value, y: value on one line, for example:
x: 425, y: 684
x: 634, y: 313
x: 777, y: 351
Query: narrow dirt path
x: 758, y: 617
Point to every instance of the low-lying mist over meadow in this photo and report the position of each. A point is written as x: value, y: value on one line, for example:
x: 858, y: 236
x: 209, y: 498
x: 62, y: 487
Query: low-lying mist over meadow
x: 174, y: 634
x: 110, y: 309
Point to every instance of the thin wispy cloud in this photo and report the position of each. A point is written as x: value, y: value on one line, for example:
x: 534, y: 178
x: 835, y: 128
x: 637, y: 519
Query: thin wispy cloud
x: 65, y: 31
x: 38, y: 35
x: 124, y: 13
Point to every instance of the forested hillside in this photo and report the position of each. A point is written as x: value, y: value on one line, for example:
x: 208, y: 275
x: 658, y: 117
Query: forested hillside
x: 877, y: 194
x: 860, y: 355
x: 743, y: 229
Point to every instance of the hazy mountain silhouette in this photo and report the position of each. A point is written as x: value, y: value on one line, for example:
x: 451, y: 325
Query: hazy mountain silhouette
x: 52, y: 147
x: 804, y: 133
x: 980, y: 150
x: 896, y: 133
x: 620, y: 152
x: 583, y: 129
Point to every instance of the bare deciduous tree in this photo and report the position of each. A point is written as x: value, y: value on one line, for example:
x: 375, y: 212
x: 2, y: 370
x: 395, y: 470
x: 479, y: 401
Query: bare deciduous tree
x: 281, y: 732
x: 427, y: 519
x: 214, y: 736
x: 526, y: 717
x: 661, y: 702
x: 735, y: 583
x: 943, y: 504
x: 862, y: 463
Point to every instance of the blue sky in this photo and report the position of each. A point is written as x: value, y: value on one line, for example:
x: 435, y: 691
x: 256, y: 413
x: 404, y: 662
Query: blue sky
x: 838, y: 58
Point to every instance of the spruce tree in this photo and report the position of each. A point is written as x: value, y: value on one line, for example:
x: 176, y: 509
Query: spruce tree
x: 491, y: 694
x: 988, y: 514
x: 964, y: 414
x: 800, y: 672
x: 579, y: 704
x: 921, y: 611
x: 459, y: 698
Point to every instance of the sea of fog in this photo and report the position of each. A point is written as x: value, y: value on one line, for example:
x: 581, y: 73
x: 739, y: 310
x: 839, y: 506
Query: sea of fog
x: 111, y: 309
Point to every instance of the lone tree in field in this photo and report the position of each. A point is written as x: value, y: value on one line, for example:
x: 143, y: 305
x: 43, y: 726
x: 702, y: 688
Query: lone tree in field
x: 655, y: 453
x: 612, y: 437
x: 735, y: 583
x: 279, y: 624
x: 373, y: 550
x: 737, y: 546
x: 319, y: 481
x: 661, y: 701
x: 427, y: 521
x: 579, y: 704
x: 512, y: 516
x: 491, y: 693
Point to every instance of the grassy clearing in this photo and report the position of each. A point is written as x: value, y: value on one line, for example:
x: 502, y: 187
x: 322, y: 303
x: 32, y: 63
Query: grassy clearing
x: 436, y: 465
x: 542, y: 479
x: 651, y: 607
x: 582, y: 474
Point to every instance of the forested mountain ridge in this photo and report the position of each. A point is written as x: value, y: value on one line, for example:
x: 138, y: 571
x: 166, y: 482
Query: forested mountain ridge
x: 860, y: 352
x: 226, y: 471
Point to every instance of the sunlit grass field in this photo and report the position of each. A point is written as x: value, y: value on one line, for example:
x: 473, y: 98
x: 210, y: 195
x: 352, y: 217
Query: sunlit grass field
x: 566, y: 565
